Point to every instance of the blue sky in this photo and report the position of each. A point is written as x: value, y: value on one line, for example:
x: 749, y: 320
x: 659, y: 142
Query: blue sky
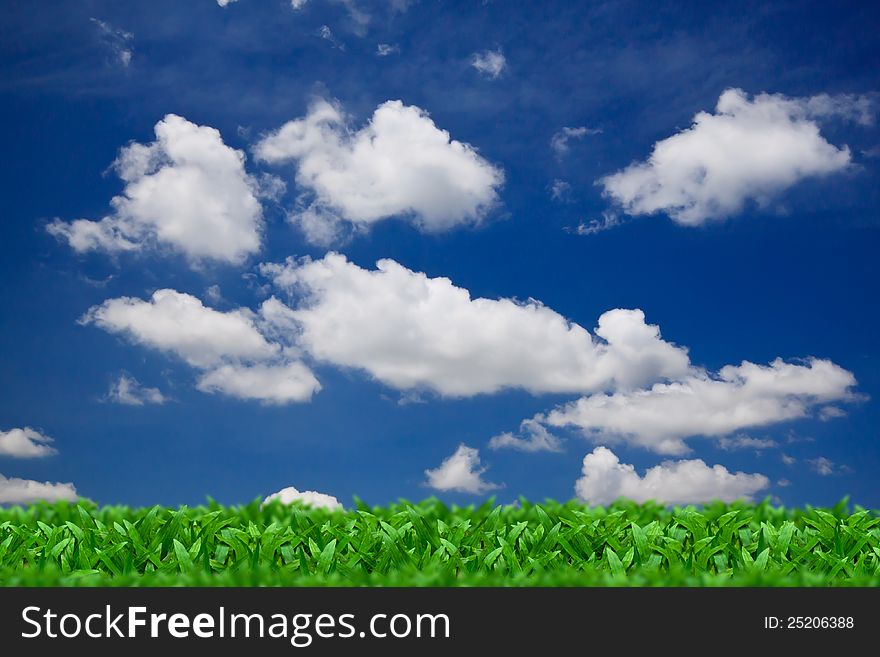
x: 746, y: 234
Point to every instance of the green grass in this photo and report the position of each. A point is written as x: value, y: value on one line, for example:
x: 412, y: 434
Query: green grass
x: 429, y: 544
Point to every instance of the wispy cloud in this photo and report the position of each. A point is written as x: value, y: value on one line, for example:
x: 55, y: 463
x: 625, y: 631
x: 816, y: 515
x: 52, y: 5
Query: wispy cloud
x: 560, y: 190
x: 128, y: 391
x: 385, y: 49
x: 116, y: 40
x: 608, y: 221
x: 490, y: 63
x: 534, y: 438
x: 746, y: 442
x: 327, y: 34
x: 826, y: 467
x: 559, y: 141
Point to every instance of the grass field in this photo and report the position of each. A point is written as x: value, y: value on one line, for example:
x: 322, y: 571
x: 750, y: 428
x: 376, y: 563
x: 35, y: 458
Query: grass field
x: 430, y: 544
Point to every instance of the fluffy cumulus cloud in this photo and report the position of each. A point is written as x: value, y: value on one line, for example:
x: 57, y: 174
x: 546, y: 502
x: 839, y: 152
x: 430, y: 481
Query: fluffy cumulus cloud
x: 410, y: 331
x: 25, y: 443
x: 230, y: 347
x: 606, y: 479
x: 128, y: 391
x: 274, y: 384
x: 750, y: 149
x: 179, y: 323
x: 26, y: 491
x: 186, y: 191
x: 490, y: 63
x: 737, y: 397
x: 461, y: 473
x: 399, y: 165
x: 311, y: 498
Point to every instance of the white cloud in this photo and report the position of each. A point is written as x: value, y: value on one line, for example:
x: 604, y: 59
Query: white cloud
x: 213, y: 294
x: 272, y: 384
x: 242, y: 353
x: 490, y: 63
x: 410, y: 331
x: 608, y: 221
x: 117, y: 41
x: 320, y: 226
x: 822, y: 465
x: 187, y: 191
x: 25, y: 443
x: 746, y: 442
x: 788, y: 460
x: 537, y: 439
x: 223, y: 3
x: 826, y: 467
x: 700, y: 404
x: 311, y: 498
x: 748, y: 150
x: 179, y: 323
x: 400, y: 6
x: 560, y: 190
x: 461, y: 473
x: 559, y: 141
x: 827, y: 413
x: 128, y: 390
x: 399, y: 165
x: 27, y: 491
x: 606, y: 479
x: 385, y: 49
x: 327, y: 34
x: 850, y: 107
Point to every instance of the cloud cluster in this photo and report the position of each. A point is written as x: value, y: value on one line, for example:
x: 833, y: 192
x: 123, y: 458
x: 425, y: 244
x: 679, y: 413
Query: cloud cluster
x: 187, y: 191
x: 737, y: 397
x: 311, y: 498
x: 399, y: 165
x: 748, y: 150
x: 235, y: 356
x: 410, y: 331
x: 25, y: 443
x: 460, y: 473
x: 415, y: 333
x: 606, y: 479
